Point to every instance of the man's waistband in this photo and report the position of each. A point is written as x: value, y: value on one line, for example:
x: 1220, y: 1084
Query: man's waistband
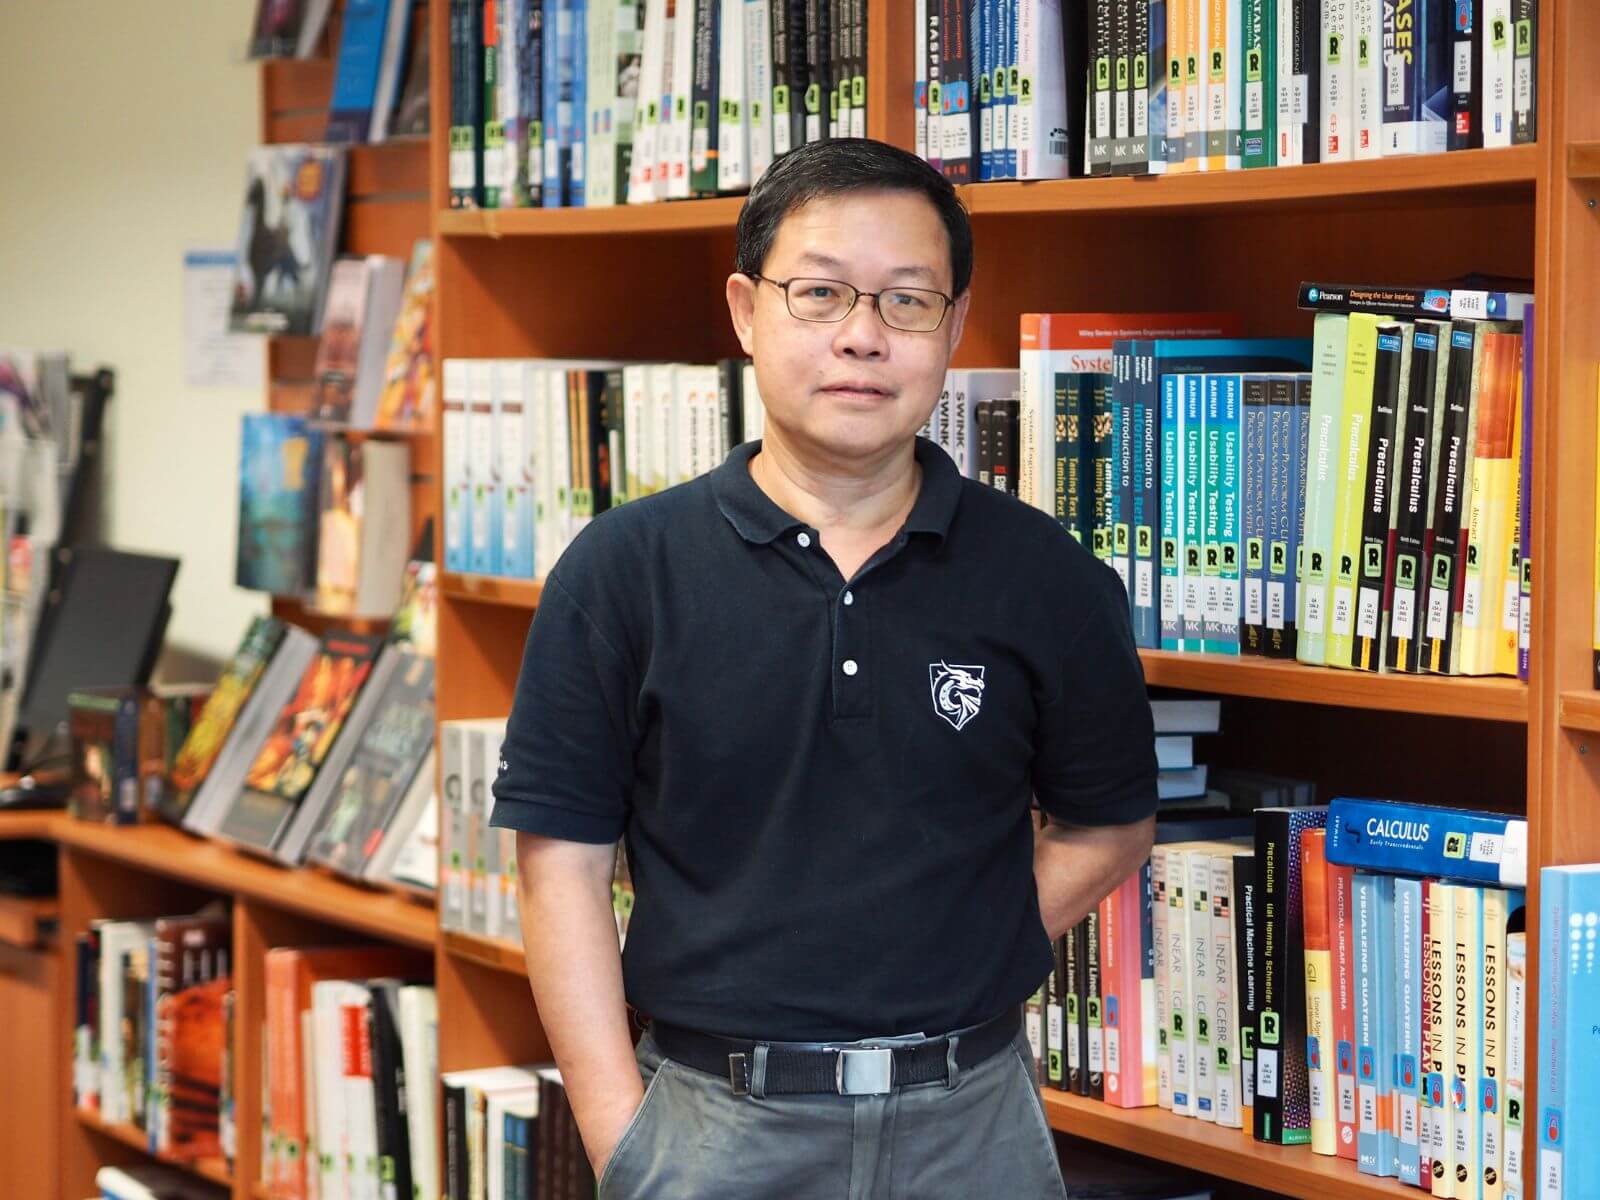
x: 872, y: 1066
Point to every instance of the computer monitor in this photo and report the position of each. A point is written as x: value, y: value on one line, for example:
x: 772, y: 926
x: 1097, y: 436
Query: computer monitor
x: 102, y: 625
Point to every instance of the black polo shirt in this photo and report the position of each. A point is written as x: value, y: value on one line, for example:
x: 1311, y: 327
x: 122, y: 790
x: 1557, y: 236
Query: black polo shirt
x: 824, y: 786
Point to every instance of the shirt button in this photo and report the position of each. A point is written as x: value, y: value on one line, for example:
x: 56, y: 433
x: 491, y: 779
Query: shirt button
x: 805, y: 541
x: 849, y: 599
x: 850, y: 667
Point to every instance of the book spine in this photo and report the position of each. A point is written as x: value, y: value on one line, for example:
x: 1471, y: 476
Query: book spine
x: 1221, y: 529
x: 1343, y: 951
x: 1247, y: 960
x: 1524, y: 71
x: 1327, y: 401
x: 1388, y: 1120
x: 1466, y: 1038
x: 1489, y: 523
x: 1193, y: 498
x: 1407, y: 934
x: 956, y: 93
x: 1199, y: 985
x: 1299, y: 462
x: 1466, y: 75
x: 1102, y: 58
x: 1172, y: 488
x: 577, y: 168
x: 1225, y: 999
x: 1319, y: 991
x: 984, y: 36
x: 1253, y: 468
x: 1196, y: 81
x: 1516, y: 1061
x: 1182, y: 1043
x: 1361, y: 349
x: 1491, y: 1037
x: 1439, y: 1048
x: 1054, y: 1024
x: 1308, y: 77
x: 1137, y: 161
x: 1092, y: 1008
x: 919, y: 73
x: 1422, y: 839
x: 1525, y: 501
x: 705, y: 98
x: 1448, y: 524
x: 1367, y: 40
x: 1365, y: 1012
x: 934, y: 48
x: 1258, y: 146
x: 1162, y: 1013
x: 1338, y: 81
x: 858, y: 78
x: 1121, y: 482
x: 1413, y: 501
x: 1146, y: 485
x: 1113, y: 948
x: 1033, y: 1026
x: 1281, y: 516
x: 1121, y: 77
x: 494, y: 130
x: 1393, y: 349
x: 1153, y: 74
x: 1078, y: 1008
x: 1177, y: 87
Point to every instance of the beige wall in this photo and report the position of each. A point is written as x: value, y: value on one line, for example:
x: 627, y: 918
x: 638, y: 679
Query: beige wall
x: 123, y: 136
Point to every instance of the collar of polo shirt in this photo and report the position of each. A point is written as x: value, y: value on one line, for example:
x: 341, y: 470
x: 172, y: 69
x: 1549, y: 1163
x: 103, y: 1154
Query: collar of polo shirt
x: 757, y: 519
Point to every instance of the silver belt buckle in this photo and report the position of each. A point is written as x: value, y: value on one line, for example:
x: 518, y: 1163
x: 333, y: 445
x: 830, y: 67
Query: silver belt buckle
x: 864, y: 1072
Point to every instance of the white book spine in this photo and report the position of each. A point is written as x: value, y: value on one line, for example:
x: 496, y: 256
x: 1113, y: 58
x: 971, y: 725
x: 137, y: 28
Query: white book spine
x: 682, y: 87
x: 1290, y: 150
x: 1497, y: 65
x: 647, y: 116
x: 919, y: 52
x: 1163, y: 988
x: 516, y: 516
x: 1338, y: 82
x: 453, y: 829
x: 758, y: 83
x: 634, y: 383
x: 733, y: 116
x: 457, y: 477
x: 1367, y: 19
x: 1225, y: 996
x: 1516, y: 1033
x: 485, y: 508
x: 600, y: 139
x: 1181, y: 1010
x: 1233, y: 89
x: 1041, y: 139
x: 1198, y: 912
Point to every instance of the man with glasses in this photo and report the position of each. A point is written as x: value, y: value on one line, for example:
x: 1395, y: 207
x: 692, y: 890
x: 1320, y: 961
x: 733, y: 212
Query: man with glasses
x: 815, y: 690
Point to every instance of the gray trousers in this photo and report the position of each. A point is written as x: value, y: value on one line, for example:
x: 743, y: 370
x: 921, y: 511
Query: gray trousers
x: 693, y: 1139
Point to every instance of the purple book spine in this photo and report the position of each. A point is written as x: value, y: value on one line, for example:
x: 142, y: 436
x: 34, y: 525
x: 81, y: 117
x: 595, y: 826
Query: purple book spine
x: 1525, y: 499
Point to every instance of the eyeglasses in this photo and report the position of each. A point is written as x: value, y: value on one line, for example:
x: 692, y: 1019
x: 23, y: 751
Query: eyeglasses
x: 829, y: 301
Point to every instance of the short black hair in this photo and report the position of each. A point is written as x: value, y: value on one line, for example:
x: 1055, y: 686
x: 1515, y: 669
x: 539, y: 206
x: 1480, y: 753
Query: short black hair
x: 837, y: 167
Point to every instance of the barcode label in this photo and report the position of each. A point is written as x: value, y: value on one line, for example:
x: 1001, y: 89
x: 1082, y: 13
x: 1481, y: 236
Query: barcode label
x: 1438, y: 612
x: 1394, y: 79
x: 1194, y: 608
x: 1143, y: 583
x: 1368, y: 1109
x: 1267, y: 1073
x: 1347, y: 1099
x: 1463, y: 67
x: 1169, y: 598
x: 1253, y: 608
x: 1471, y: 601
x: 1097, y: 1051
x: 1275, y: 596
x: 1367, y: 613
x: 1319, y: 1096
x: 1252, y: 106
x: 1522, y: 95
x: 1408, y: 1119
x: 1524, y: 620
x: 1510, y: 604
x: 1402, y: 620
x: 1114, y: 1051
x: 1341, y: 611
x: 1316, y: 598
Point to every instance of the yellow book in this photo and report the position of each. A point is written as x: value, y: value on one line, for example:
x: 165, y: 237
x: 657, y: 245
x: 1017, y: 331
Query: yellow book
x: 1196, y: 22
x: 1489, y: 514
x: 1350, y: 472
x: 1510, y: 615
x: 1214, y: 74
x: 1491, y: 1092
x: 1438, y: 944
x: 1319, y: 990
x: 1466, y: 1037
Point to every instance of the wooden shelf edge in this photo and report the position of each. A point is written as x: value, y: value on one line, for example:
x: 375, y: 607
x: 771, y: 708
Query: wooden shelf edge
x: 1485, y: 172
x: 488, y: 589
x: 214, y: 1169
x: 32, y: 823
x: 1227, y: 1153
x: 28, y: 922
x: 1487, y: 699
x: 220, y: 868
x: 1583, y: 160
x: 486, y: 952
x: 670, y: 216
x: 1580, y: 710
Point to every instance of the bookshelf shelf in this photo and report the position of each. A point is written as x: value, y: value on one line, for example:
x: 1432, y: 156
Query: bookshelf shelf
x: 1486, y: 699
x: 215, y: 1170
x: 671, y: 216
x: 1580, y: 710
x: 1228, y: 1153
x: 486, y: 589
x: 216, y: 867
x: 1483, y: 175
x: 486, y: 952
x: 27, y: 923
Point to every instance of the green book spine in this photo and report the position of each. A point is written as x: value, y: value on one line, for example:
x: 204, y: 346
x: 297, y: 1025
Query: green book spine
x: 1361, y: 354
x: 1260, y: 65
x: 1222, y: 515
x: 1322, y: 486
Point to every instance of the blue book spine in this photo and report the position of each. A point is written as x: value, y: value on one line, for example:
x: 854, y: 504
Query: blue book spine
x: 1221, y: 621
x: 1007, y: 165
x: 1194, y: 499
x: 1569, y: 996
x: 983, y: 54
x: 1256, y: 418
x: 1146, y: 494
x: 1171, y: 513
x: 1383, y: 935
x: 580, y: 101
x: 1122, y: 464
x: 557, y: 28
x: 355, y: 80
x: 1364, y: 894
x: 1420, y: 839
x: 1408, y: 1026
x: 1278, y: 575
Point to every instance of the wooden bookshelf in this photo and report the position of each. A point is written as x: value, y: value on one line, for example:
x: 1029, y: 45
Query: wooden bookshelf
x: 486, y: 589
x: 213, y: 1169
x: 1579, y: 710
x: 28, y: 923
x: 1583, y: 160
x: 486, y: 952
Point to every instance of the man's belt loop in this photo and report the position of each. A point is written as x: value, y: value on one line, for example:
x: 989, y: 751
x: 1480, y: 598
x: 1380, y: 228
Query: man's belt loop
x: 952, y: 1068
x: 758, y: 1073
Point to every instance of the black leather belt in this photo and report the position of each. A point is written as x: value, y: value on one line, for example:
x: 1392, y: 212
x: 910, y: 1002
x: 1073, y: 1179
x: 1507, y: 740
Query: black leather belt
x: 853, y: 1069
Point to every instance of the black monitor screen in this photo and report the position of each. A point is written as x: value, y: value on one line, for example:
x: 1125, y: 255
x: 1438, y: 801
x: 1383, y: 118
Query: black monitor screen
x: 103, y: 621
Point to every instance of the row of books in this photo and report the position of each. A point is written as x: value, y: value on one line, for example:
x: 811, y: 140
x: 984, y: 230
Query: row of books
x: 509, y: 1134
x: 535, y: 448
x: 1370, y: 513
x: 152, y: 1030
x: 323, y: 517
x: 564, y: 103
x: 380, y: 83
x: 306, y: 750
x: 350, y: 1073
x: 1036, y: 89
x: 478, y: 865
x: 1351, y: 977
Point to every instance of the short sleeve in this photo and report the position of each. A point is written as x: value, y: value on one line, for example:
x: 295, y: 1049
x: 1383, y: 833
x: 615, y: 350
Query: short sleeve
x: 1095, y: 760
x: 566, y: 767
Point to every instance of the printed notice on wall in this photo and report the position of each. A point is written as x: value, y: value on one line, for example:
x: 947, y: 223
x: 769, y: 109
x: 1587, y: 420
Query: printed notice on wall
x: 213, y: 357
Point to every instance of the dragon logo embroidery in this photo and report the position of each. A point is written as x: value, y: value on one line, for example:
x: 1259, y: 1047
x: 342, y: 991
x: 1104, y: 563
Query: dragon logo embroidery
x: 957, y: 691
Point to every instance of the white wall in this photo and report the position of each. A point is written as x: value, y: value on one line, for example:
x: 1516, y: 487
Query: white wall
x: 124, y: 130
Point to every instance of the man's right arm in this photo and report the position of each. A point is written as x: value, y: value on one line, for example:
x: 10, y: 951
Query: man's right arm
x: 569, y: 937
